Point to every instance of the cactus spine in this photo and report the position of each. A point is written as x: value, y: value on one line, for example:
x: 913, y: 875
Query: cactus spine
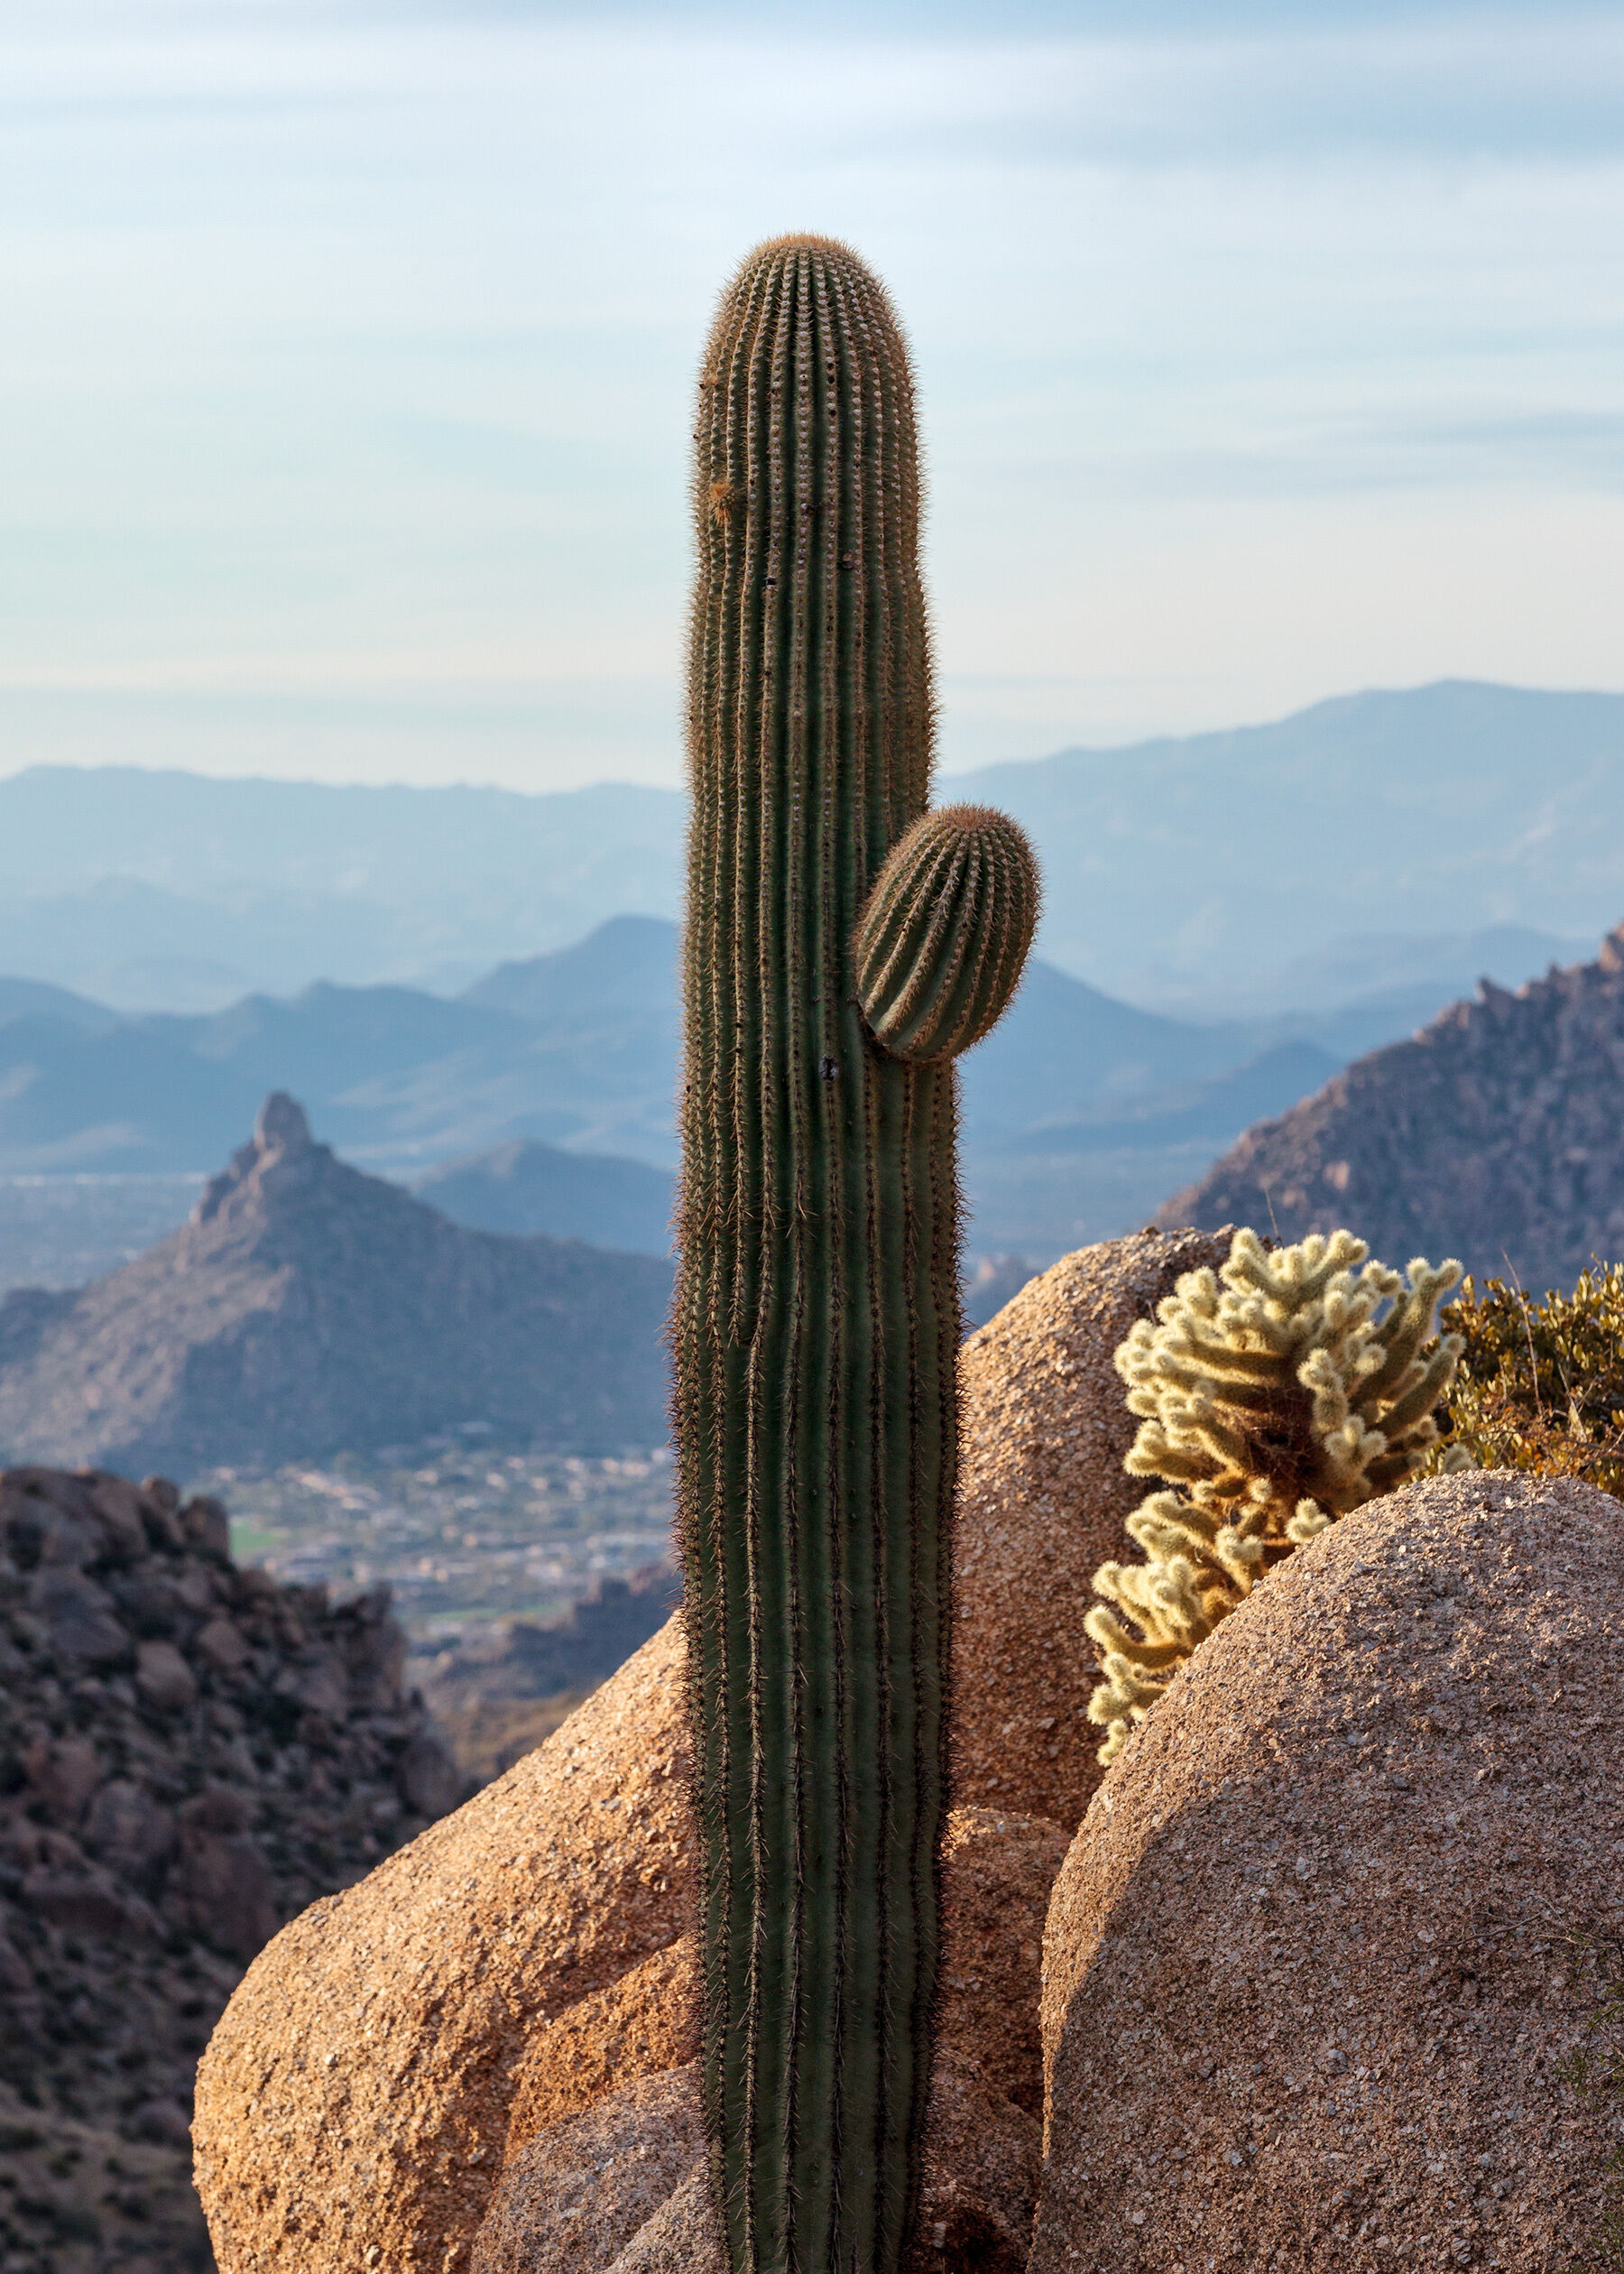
x: 815, y: 1323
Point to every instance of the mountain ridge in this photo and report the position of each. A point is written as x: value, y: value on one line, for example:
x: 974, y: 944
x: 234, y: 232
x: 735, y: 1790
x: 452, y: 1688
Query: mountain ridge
x: 307, y: 1308
x: 1078, y: 1113
x: 1495, y: 1135
x: 1457, y: 803
x: 1175, y: 865
x: 523, y: 1187
x: 577, y: 1047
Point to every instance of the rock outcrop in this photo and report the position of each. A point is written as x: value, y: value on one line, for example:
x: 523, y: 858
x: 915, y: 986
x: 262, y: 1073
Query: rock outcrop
x: 355, y: 2098
x: 622, y: 2188
x: 1494, y: 1135
x: 1043, y: 1497
x: 1349, y: 1909
x: 308, y: 1308
x: 521, y: 1965
x: 625, y: 2117
x: 189, y: 1753
x: 525, y: 1962
x: 579, y: 2196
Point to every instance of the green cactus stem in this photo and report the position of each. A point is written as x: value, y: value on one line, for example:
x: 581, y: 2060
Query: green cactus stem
x: 816, y: 1322
x: 946, y: 932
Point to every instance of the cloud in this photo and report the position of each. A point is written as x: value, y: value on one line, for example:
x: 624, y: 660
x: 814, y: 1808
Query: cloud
x: 1035, y: 82
x: 997, y: 19
x: 353, y: 344
x: 1431, y: 90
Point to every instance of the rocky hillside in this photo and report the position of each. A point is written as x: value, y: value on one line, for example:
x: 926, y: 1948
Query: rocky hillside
x: 1495, y: 1135
x: 308, y: 1307
x: 189, y: 1755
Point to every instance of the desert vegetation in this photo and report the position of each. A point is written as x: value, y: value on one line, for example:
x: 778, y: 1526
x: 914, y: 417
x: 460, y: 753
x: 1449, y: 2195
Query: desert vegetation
x: 825, y: 1934
x: 730, y: 1985
x: 843, y: 946
x: 1276, y: 1393
x: 1541, y: 1381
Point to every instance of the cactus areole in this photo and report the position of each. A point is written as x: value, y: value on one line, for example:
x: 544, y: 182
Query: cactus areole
x: 817, y: 1320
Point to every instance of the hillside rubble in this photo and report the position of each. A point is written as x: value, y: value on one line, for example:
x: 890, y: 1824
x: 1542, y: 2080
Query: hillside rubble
x: 189, y: 1755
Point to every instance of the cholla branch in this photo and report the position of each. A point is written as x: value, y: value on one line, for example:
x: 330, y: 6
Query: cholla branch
x: 1274, y: 1395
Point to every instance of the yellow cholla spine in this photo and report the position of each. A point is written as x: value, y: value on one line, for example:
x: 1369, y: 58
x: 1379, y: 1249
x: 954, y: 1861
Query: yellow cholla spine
x: 1276, y: 1393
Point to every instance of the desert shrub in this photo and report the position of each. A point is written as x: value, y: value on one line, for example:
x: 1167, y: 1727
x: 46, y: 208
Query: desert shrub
x: 1541, y: 1384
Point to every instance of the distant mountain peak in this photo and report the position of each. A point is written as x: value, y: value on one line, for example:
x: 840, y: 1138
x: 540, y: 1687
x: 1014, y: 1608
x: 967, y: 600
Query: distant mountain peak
x: 309, y: 1308
x: 1491, y: 1134
x: 282, y: 1140
x: 282, y: 1125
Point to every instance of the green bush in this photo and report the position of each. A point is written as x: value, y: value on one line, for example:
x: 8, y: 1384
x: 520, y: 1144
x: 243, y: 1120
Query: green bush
x: 1540, y: 1385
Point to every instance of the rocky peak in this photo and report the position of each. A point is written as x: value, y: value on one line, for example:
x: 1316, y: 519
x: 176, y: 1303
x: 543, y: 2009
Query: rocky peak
x: 308, y: 1307
x: 1492, y: 1135
x: 281, y: 1141
x: 281, y: 1126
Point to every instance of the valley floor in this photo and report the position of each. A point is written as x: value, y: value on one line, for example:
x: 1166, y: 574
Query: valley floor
x: 463, y: 1536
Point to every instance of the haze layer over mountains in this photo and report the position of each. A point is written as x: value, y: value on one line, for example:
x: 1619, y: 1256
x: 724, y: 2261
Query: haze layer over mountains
x: 1223, y: 874
x: 1280, y: 900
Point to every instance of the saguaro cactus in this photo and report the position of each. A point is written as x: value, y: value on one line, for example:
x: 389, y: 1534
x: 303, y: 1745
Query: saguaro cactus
x: 816, y: 1318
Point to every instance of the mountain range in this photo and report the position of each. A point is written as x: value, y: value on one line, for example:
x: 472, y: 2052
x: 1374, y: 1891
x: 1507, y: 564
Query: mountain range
x: 306, y: 1307
x: 525, y: 1188
x: 1080, y: 1112
x: 1219, y: 871
x: 1495, y: 1135
x: 1285, y: 866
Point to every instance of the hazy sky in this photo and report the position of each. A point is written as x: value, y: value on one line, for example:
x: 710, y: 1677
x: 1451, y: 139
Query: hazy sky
x: 1267, y: 352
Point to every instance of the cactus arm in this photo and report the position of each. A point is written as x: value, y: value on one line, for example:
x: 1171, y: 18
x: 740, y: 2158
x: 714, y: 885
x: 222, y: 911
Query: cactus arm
x: 944, y: 933
x: 1407, y: 1327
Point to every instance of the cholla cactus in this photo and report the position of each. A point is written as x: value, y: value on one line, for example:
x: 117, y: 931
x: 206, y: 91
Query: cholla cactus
x: 1273, y: 1403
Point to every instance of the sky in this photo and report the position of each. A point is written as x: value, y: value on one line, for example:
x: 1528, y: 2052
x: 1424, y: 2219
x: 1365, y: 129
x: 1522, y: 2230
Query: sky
x: 1266, y: 352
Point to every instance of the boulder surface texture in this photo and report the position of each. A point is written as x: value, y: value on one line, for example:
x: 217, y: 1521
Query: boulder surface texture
x: 1335, y: 1939
x: 616, y: 2179
x: 524, y: 1962
x: 1043, y: 1498
x: 352, y: 2108
x: 447, y: 2029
